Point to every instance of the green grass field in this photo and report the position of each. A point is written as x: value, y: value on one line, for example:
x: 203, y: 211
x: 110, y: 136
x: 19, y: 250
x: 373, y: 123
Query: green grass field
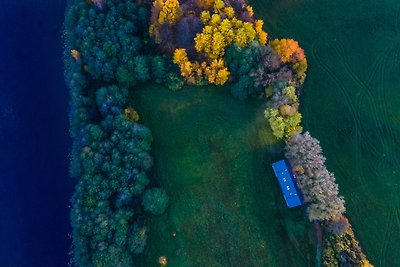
x: 351, y: 104
x: 213, y: 155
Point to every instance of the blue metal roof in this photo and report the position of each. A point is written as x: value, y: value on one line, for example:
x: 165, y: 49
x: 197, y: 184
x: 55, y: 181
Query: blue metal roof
x: 285, y: 179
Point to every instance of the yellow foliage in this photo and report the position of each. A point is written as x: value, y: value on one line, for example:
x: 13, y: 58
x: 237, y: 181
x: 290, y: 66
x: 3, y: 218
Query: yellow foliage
x: 290, y: 92
x: 229, y: 12
x: 236, y: 23
x: 217, y: 35
x: 366, y: 263
x: 217, y: 73
x: 215, y: 20
x: 250, y: 10
x: 164, y: 11
x: 262, y: 35
x: 180, y: 56
x: 227, y: 31
x: 221, y: 29
x: 283, y: 126
x: 219, y: 44
x: 222, y: 76
x: 205, y: 17
x: 169, y: 11
x: 218, y: 5
x: 186, y: 68
x: 300, y: 68
x: 131, y: 114
x: 245, y: 34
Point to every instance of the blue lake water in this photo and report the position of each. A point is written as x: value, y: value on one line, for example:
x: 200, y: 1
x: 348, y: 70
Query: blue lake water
x: 34, y: 142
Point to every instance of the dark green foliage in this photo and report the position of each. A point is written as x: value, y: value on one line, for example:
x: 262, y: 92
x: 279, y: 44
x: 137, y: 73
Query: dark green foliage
x: 111, y: 100
x: 106, y: 214
x: 242, y: 87
x: 244, y: 65
x: 155, y: 200
x: 175, y: 81
x: 159, y: 68
x: 83, y: 111
x: 141, y: 69
x: 110, y: 41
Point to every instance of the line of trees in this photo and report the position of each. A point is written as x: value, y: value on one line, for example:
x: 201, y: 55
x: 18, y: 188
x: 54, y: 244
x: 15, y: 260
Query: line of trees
x: 106, y: 54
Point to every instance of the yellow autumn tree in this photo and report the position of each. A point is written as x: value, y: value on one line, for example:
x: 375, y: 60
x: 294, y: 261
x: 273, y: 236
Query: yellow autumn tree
x: 262, y: 35
x: 250, y: 10
x: 218, y: 34
x: 191, y: 71
x: 163, y: 11
x: 221, y: 29
x: 180, y: 56
x: 205, y: 17
x: 169, y: 11
x: 217, y: 73
x: 218, y: 5
x: 229, y: 12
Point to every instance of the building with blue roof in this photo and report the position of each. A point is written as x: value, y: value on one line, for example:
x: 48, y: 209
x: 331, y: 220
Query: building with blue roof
x: 286, y: 181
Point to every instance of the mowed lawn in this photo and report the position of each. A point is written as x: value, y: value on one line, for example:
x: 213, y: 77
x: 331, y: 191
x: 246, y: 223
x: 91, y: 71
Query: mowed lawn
x: 213, y: 155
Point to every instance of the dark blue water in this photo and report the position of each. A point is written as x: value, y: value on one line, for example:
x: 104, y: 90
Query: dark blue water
x: 34, y: 142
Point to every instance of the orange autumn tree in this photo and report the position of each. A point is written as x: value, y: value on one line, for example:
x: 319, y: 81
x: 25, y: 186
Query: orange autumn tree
x: 291, y: 52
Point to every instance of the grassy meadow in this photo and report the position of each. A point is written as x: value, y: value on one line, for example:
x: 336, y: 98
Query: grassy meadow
x: 212, y: 155
x: 351, y: 104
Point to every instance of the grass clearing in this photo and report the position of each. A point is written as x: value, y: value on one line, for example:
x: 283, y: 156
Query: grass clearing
x: 212, y: 155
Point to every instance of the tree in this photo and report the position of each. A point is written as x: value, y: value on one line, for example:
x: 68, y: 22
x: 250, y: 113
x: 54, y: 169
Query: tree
x: 291, y: 52
x: 217, y: 73
x: 317, y: 184
x: 283, y: 125
x: 141, y: 69
x: 285, y: 48
x: 111, y: 99
x: 262, y: 35
x: 155, y: 201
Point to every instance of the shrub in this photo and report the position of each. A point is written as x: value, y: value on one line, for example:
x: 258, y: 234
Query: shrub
x: 343, y: 250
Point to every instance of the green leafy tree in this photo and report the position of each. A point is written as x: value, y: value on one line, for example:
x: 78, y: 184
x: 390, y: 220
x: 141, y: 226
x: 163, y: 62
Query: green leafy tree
x: 155, y: 200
